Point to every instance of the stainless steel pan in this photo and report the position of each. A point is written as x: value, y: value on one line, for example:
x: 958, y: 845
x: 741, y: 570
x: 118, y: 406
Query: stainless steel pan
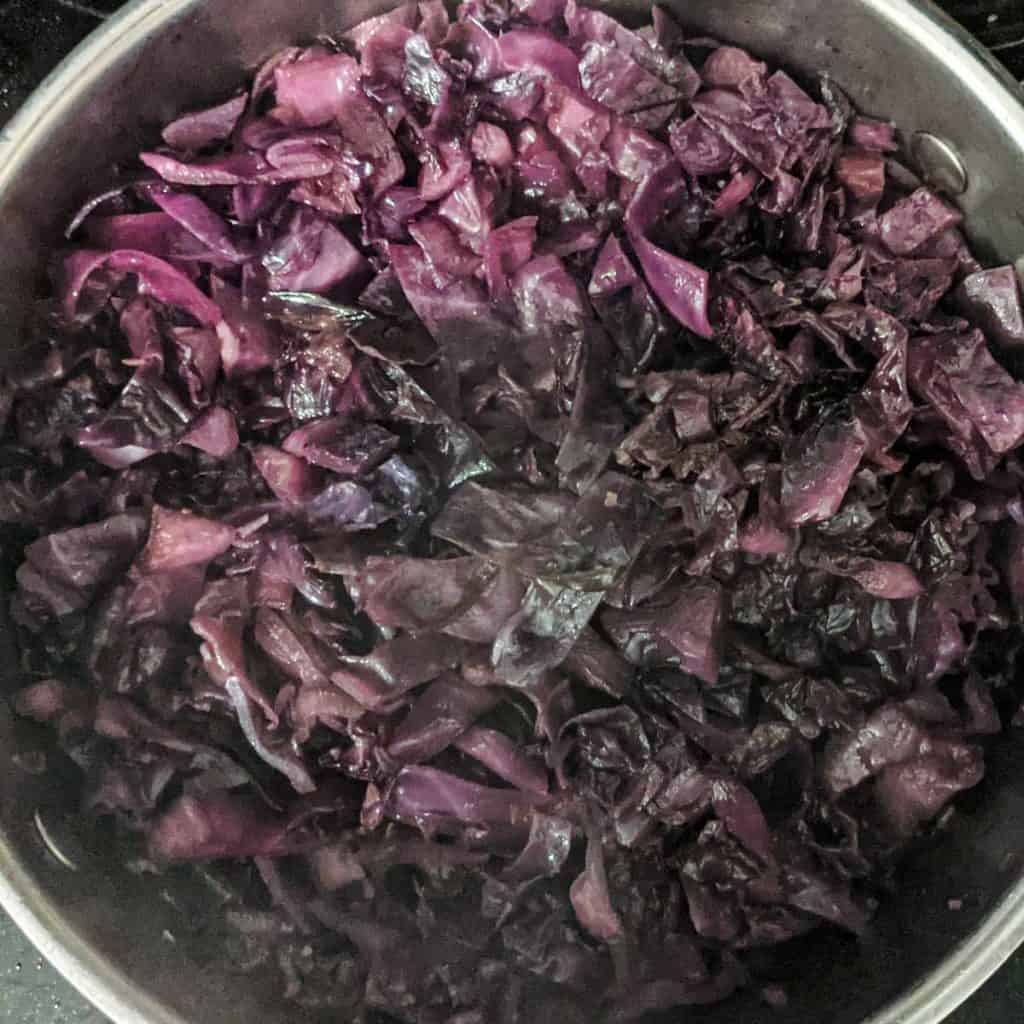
x: 139, y: 948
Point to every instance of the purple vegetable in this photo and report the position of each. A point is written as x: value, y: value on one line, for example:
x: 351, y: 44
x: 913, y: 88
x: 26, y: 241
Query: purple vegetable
x: 420, y: 794
x: 215, y: 432
x: 863, y: 174
x: 312, y: 255
x: 991, y: 298
x: 736, y: 121
x: 817, y: 470
x: 687, y: 632
x: 915, y: 220
x: 681, y: 286
x: 64, y: 571
x: 737, y: 809
x: 968, y: 389
x: 328, y: 90
x: 537, y: 51
x: 735, y: 193
x: 156, y: 278
x: 548, y: 507
x: 729, y: 67
x: 870, y: 133
x: 393, y: 668
x: 180, y: 539
x: 442, y: 713
x: 293, y: 480
x: 204, y: 128
x: 501, y: 756
x: 336, y: 445
x: 591, y: 899
x: 233, y: 169
x: 155, y: 233
x: 199, y: 220
x: 612, y: 272
x: 698, y: 148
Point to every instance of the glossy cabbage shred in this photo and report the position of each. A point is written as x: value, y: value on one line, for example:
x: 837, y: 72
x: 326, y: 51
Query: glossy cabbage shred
x: 544, y: 495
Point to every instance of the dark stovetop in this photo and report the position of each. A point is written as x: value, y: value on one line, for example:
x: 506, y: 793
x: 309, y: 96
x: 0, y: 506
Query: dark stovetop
x: 34, y: 36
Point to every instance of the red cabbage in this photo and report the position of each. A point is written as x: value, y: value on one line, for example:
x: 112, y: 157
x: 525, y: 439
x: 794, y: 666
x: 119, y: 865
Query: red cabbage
x: 202, y: 128
x: 542, y: 491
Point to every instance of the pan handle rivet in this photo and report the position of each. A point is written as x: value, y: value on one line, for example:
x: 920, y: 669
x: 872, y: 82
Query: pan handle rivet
x: 938, y: 163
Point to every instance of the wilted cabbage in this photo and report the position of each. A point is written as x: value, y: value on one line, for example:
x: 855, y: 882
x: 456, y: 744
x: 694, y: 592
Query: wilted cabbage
x: 542, y: 491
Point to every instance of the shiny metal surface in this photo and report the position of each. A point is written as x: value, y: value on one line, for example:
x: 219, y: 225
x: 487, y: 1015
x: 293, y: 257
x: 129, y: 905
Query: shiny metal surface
x: 142, y: 949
